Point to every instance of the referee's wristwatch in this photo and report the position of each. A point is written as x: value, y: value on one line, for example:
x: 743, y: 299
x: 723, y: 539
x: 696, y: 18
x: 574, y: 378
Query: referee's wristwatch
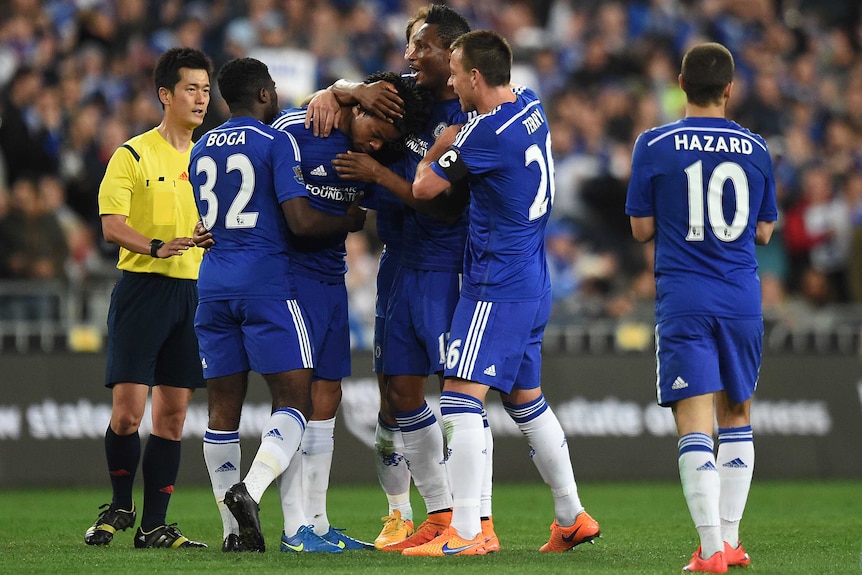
x: 155, y: 246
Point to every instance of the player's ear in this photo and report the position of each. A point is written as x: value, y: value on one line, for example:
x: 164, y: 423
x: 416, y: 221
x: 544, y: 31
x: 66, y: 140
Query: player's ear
x: 164, y: 96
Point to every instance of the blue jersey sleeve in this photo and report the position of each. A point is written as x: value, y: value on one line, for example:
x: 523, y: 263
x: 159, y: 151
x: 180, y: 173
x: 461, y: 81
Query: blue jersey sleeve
x: 639, y: 199
x: 768, y: 208
x: 476, y: 151
x: 479, y: 149
x: 287, y: 167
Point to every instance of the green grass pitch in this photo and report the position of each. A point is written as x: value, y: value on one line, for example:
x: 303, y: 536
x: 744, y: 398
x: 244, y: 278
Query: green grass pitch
x: 790, y: 528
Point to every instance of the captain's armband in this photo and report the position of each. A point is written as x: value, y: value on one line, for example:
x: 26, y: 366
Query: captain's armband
x: 452, y: 165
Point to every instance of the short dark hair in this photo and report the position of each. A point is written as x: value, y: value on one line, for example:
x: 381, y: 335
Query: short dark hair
x: 415, y: 101
x: 167, y: 71
x: 707, y: 69
x: 240, y: 81
x: 489, y: 53
x: 449, y: 23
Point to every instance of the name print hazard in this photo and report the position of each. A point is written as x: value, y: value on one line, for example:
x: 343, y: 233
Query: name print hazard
x: 710, y: 143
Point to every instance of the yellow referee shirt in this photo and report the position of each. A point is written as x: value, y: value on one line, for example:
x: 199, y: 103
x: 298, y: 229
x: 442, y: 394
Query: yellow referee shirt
x: 147, y: 181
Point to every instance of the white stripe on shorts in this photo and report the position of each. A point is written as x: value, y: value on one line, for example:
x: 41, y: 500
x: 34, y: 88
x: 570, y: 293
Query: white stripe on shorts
x: 474, y: 340
x: 302, y: 332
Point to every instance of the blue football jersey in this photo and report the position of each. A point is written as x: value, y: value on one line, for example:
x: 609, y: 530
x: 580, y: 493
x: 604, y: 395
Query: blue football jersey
x: 707, y: 182
x: 506, y: 156
x: 320, y: 258
x: 428, y: 243
x: 241, y: 172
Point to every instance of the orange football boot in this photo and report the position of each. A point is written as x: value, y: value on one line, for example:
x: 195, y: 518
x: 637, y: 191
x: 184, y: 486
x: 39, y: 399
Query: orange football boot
x: 449, y: 543
x: 584, y: 530
x: 715, y: 564
x: 434, y: 526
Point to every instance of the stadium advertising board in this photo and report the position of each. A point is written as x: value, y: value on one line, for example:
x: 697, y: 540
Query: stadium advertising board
x: 807, y: 418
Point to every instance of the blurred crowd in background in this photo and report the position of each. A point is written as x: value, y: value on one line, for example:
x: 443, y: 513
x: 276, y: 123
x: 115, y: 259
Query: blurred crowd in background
x: 75, y: 80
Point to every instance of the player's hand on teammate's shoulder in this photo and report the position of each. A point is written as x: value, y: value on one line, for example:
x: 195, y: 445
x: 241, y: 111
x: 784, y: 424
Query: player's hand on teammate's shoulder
x: 447, y: 136
x: 322, y: 114
x: 355, y: 214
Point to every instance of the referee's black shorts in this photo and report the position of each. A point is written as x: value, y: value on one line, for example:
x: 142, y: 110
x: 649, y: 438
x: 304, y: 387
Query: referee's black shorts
x: 151, y: 333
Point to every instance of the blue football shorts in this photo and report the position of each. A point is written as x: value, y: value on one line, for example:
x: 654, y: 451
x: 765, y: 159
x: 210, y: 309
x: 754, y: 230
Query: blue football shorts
x: 267, y: 336
x: 498, y: 344
x: 325, y: 307
x: 696, y: 355
x: 417, y: 321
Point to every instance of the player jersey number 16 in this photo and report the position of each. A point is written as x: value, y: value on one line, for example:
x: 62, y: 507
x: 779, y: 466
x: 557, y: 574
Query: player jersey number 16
x: 235, y: 217
x: 714, y: 192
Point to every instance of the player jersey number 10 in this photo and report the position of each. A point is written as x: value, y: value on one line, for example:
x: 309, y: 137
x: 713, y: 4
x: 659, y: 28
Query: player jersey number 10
x: 714, y: 193
x: 235, y: 217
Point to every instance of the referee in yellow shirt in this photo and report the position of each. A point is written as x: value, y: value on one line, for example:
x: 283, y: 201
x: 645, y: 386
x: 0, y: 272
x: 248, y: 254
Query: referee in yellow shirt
x: 148, y: 209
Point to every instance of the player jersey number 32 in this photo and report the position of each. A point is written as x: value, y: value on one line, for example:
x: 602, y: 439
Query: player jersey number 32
x: 235, y: 217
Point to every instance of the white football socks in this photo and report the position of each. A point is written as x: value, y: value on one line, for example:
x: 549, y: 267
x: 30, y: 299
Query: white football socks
x: 423, y: 449
x: 278, y: 444
x: 222, y: 456
x: 292, y: 498
x: 550, y: 453
x: 392, y: 471
x: 735, y: 462
x: 702, y: 488
x: 466, y: 470
x: 318, y: 445
x: 487, y: 480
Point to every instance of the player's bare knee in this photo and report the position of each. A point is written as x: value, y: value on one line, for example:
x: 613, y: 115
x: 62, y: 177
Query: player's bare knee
x: 405, y: 396
x: 224, y: 419
x: 169, y: 425
x: 125, y: 423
